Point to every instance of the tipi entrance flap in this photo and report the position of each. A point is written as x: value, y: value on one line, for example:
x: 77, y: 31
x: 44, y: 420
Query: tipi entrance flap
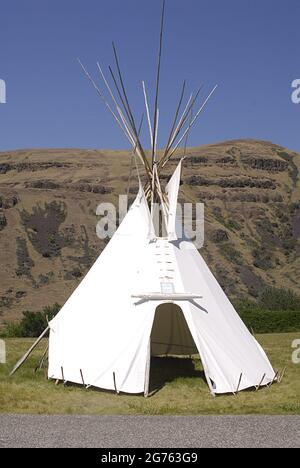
x: 170, y: 333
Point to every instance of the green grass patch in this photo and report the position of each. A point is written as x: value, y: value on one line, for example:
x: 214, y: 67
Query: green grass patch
x: 179, y: 387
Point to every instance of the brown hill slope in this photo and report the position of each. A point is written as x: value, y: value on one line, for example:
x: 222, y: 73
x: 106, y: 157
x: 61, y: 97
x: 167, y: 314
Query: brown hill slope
x: 48, y: 199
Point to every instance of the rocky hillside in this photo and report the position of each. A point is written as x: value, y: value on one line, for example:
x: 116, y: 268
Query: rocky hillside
x: 48, y: 200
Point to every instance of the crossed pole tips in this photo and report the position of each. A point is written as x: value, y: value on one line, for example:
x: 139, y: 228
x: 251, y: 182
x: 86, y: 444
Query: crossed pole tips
x: 119, y: 107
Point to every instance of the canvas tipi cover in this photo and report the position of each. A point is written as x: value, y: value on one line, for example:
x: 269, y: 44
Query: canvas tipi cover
x: 105, y: 333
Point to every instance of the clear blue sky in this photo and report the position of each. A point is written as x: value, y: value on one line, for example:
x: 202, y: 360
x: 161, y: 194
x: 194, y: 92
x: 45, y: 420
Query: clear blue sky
x: 249, y: 47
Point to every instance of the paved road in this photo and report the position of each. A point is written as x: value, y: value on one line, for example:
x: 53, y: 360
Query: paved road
x: 149, y: 431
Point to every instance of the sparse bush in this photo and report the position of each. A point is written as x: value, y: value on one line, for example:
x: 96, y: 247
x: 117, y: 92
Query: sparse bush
x: 219, y: 235
x: 294, y: 207
x: 279, y: 299
x: 230, y: 253
x: 262, y: 259
x: 289, y: 245
x: 233, y: 225
x: 284, y: 155
x: 32, y: 324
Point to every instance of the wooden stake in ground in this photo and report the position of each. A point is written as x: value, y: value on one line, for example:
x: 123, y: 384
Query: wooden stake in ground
x: 260, y: 383
x: 115, y: 383
x: 239, y: 384
x: 82, y: 377
x: 274, y: 379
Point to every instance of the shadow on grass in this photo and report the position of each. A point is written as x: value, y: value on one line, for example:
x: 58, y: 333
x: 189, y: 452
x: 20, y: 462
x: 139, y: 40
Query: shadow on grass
x: 164, y: 370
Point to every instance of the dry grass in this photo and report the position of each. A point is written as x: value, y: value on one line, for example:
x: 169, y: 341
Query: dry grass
x: 180, y: 388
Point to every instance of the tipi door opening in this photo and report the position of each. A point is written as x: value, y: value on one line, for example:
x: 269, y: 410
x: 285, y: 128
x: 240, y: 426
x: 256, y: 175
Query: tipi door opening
x: 171, y: 348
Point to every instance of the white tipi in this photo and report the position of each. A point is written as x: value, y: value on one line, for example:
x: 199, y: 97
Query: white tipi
x: 150, y: 295
x: 161, y: 298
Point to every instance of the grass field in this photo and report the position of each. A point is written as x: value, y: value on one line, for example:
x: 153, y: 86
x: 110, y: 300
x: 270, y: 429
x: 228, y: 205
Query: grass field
x: 178, y: 385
